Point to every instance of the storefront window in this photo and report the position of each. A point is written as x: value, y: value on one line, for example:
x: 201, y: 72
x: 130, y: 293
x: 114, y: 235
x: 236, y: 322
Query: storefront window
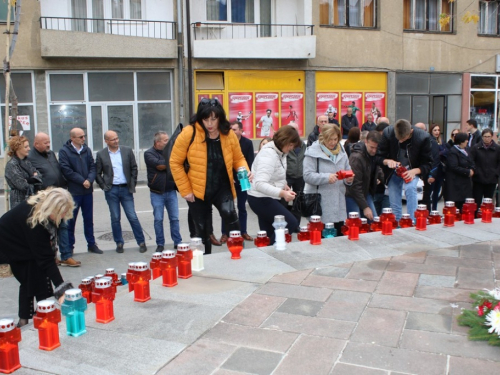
x: 482, y: 82
x: 483, y: 101
x: 65, y: 117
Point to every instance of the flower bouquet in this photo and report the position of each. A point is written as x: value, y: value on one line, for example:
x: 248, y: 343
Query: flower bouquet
x: 484, y: 321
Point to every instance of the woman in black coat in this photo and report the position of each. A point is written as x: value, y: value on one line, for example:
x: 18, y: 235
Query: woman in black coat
x: 459, y: 172
x: 28, y: 235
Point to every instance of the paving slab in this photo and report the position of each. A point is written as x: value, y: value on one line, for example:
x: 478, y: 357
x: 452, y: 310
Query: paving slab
x: 437, y: 280
x: 380, y: 326
x: 398, y: 283
x: 254, y: 310
x: 429, y: 322
x: 300, y: 307
x: 259, y: 362
x: 343, y: 369
x: 307, y: 292
x: 467, y: 366
x: 345, y: 305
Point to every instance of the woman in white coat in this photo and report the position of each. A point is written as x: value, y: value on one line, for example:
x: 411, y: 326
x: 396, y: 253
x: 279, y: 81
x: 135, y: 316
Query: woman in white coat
x: 323, y: 159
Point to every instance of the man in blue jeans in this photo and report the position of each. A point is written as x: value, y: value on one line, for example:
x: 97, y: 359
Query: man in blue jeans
x: 117, y: 177
x: 406, y: 145
x: 163, y: 192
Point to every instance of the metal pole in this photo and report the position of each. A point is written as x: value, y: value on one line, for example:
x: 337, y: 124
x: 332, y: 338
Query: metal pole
x: 190, y: 59
x: 6, y: 72
x: 180, y: 58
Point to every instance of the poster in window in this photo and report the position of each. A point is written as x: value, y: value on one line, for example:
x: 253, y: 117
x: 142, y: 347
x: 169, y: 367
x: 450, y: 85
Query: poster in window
x: 292, y: 110
x: 352, y: 100
x: 374, y: 105
x: 266, y: 114
x: 327, y: 103
x: 241, y: 109
x: 219, y: 97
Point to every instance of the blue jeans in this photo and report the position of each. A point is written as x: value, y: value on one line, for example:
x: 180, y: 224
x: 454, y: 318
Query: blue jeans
x: 86, y: 203
x: 120, y: 195
x: 352, y: 206
x: 63, y: 239
x: 168, y: 200
x: 396, y: 185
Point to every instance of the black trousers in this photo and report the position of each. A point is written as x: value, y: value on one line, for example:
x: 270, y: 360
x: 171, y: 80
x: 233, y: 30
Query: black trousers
x: 201, y: 215
x: 34, y: 284
x: 480, y: 191
x: 297, y: 185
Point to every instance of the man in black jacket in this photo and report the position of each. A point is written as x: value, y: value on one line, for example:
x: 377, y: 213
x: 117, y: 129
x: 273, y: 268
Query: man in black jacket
x: 163, y: 192
x: 322, y: 120
x: 474, y: 133
x: 367, y: 174
x: 410, y: 147
x: 349, y: 121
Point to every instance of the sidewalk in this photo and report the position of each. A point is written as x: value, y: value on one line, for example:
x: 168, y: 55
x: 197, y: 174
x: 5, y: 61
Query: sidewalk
x: 380, y: 305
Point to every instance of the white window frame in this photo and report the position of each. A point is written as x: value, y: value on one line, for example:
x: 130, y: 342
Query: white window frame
x: 256, y: 13
x: 497, y: 96
x: 481, y: 16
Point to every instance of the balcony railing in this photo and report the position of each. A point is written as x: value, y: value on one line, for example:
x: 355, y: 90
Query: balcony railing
x: 203, y: 31
x: 141, y: 28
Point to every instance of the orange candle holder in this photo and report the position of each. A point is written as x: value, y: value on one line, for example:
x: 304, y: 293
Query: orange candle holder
x: 235, y: 244
x: 103, y: 297
x: 46, y: 321
x: 86, y: 288
x: 184, y: 257
x: 469, y: 210
x: 141, y: 286
x: 10, y: 336
x: 154, y: 265
x: 168, y: 265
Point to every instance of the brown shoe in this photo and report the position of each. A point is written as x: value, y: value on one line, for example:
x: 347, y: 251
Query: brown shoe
x: 70, y: 262
x: 247, y: 237
x: 223, y: 238
x: 214, y: 240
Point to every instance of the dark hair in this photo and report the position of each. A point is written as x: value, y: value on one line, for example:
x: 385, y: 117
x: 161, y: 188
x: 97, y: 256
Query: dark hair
x: 353, y: 135
x: 205, y: 110
x: 268, y: 139
x: 240, y: 125
x: 472, y: 122
x: 486, y: 130
x: 374, y: 136
x: 286, y: 135
x: 402, y: 129
x: 381, y: 126
x: 459, y: 138
x: 431, y: 128
x: 269, y: 110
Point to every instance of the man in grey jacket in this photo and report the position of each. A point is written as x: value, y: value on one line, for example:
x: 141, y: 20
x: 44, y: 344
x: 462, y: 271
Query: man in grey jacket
x: 117, y: 177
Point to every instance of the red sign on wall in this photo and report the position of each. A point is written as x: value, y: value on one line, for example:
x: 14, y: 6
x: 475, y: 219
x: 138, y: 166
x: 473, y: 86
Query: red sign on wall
x: 327, y: 102
x: 266, y: 124
x: 241, y: 109
x: 352, y: 100
x: 374, y: 105
x: 292, y: 110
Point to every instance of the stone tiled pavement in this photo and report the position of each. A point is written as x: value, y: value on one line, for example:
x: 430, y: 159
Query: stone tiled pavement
x: 394, y: 315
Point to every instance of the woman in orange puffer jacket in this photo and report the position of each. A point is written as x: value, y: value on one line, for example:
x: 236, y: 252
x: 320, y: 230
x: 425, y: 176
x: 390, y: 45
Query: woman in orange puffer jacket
x: 213, y: 154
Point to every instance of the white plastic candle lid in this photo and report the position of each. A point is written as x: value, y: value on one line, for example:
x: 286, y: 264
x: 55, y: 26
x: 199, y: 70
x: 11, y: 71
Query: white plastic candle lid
x: 102, y: 283
x: 156, y: 256
x: 45, y: 306
x: 110, y: 271
x: 168, y: 254
x: 449, y: 204
x: 422, y: 207
x: 98, y: 276
x: 279, y: 219
x: 304, y: 229
x: 182, y: 247
x: 497, y: 209
x: 72, y: 294
x: 405, y: 216
x: 131, y: 265
x: 469, y: 200
x: 261, y: 233
x: 487, y: 200
x: 376, y: 219
x: 329, y: 226
x: 287, y: 231
x: 235, y: 234
x: 196, y: 241
x: 90, y: 277
x: 6, y: 325
x: 387, y: 210
x: 354, y: 215
x: 458, y: 211
x: 141, y: 266
x: 242, y: 169
x: 86, y: 281
x: 435, y: 213
x: 315, y: 219
x: 364, y: 220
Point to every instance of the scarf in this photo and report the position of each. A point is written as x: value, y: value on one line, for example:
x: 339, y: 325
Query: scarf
x: 332, y: 155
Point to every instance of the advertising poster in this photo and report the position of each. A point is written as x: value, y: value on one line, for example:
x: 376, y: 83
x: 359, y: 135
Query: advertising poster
x: 374, y: 105
x: 292, y: 110
x: 24, y: 121
x: 327, y: 102
x: 266, y: 124
x: 355, y: 101
x: 241, y: 109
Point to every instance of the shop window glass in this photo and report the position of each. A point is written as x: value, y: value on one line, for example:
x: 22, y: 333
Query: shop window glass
x: 27, y: 112
x: 351, y: 13
x: 135, y: 9
x: 117, y: 8
x: 22, y: 86
x: 242, y: 11
x: 97, y: 133
x: 420, y: 109
x: 482, y: 82
x: 152, y: 118
x: 446, y: 84
x: 63, y: 118
x: 66, y: 87
x: 121, y: 120
x: 488, y: 17
x: 407, y: 83
x: 403, y: 106
x: 153, y: 86
x: 425, y: 14
x: 454, y: 108
x: 111, y: 87
x: 482, y: 108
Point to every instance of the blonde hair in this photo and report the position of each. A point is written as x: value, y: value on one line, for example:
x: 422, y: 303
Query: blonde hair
x: 51, y: 201
x: 15, y: 143
x: 328, y: 131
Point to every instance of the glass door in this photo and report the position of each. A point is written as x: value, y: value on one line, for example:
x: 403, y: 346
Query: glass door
x: 120, y: 118
x: 438, y: 113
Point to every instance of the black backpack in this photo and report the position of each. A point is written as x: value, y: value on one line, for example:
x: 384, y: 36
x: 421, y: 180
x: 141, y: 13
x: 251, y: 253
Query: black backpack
x: 167, y: 151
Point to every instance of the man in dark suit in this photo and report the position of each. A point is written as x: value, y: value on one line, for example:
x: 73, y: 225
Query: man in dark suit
x: 117, y: 177
x: 474, y: 133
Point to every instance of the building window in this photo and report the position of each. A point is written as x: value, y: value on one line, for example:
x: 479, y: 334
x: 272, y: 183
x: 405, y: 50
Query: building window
x: 488, y: 16
x: 236, y: 11
x: 135, y: 9
x: 485, y: 101
x: 350, y: 13
x: 117, y: 8
x: 424, y: 15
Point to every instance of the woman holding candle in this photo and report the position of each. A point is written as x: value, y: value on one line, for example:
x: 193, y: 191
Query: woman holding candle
x: 28, y: 235
x: 323, y: 160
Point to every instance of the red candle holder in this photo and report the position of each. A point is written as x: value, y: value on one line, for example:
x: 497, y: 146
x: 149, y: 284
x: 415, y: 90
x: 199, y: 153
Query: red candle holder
x: 131, y: 276
x: 365, y: 227
x: 288, y: 236
x: 86, y: 288
x: 10, y: 336
x: 235, y: 244
x: 400, y: 171
x: 375, y: 225
x: 46, y: 321
x: 353, y: 224
x: 469, y: 210
x: 458, y: 215
x: 341, y: 175
x: 487, y: 210
x: 303, y: 234
x: 405, y: 221
x: 184, y: 257
x: 141, y: 285
x: 496, y: 212
x: 154, y: 265
x: 262, y: 239
x: 168, y: 265
x: 388, y: 221
x: 103, y: 297
x: 421, y: 215
x: 434, y: 218
x: 449, y: 212
x: 110, y: 272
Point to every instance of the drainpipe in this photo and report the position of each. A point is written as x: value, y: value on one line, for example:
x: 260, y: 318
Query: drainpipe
x: 190, y: 58
x: 180, y: 60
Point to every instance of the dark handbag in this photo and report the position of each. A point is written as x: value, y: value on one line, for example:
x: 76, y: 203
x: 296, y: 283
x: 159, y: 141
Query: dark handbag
x: 308, y: 204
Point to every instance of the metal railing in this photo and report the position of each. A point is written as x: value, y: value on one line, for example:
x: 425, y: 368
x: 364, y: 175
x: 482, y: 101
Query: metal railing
x: 208, y: 30
x: 141, y: 28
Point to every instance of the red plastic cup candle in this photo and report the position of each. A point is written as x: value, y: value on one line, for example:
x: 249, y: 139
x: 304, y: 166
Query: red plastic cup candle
x: 341, y: 175
x: 235, y: 244
x: 434, y: 218
x: 487, y: 210
x: 405, y: 221
x: 400, y: 171
x: 375, y: 225
x: 10, y: 336
x: 496, y: 212
x: 458, y: 215
x: 388, y: 221
x: 315, y: 229
x: 421, y: 215
x: 110, y: 272
x: 131, y: 276
x: 262, y: 239
x: 449, y: 212
x: 303, y: 234
x: 184, y: 257
x: 365, y: 227
x: 288, y: 236
x: 155, y: 265
x: 46, y: 321
x: 469, y: 210
x: 141, y: 285
x: 168, y: 265
x: 86, y: 288
x: 353, y: 224
x: 103, y: 297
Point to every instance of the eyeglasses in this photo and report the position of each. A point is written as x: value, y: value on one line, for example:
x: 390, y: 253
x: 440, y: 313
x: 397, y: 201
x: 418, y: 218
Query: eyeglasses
x: 114, y: 139
x: 80, y: 137
x: 212, y: 102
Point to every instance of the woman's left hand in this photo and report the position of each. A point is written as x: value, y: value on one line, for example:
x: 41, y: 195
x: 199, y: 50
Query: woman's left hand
x: 250, y: 176
x: 61, y: 300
